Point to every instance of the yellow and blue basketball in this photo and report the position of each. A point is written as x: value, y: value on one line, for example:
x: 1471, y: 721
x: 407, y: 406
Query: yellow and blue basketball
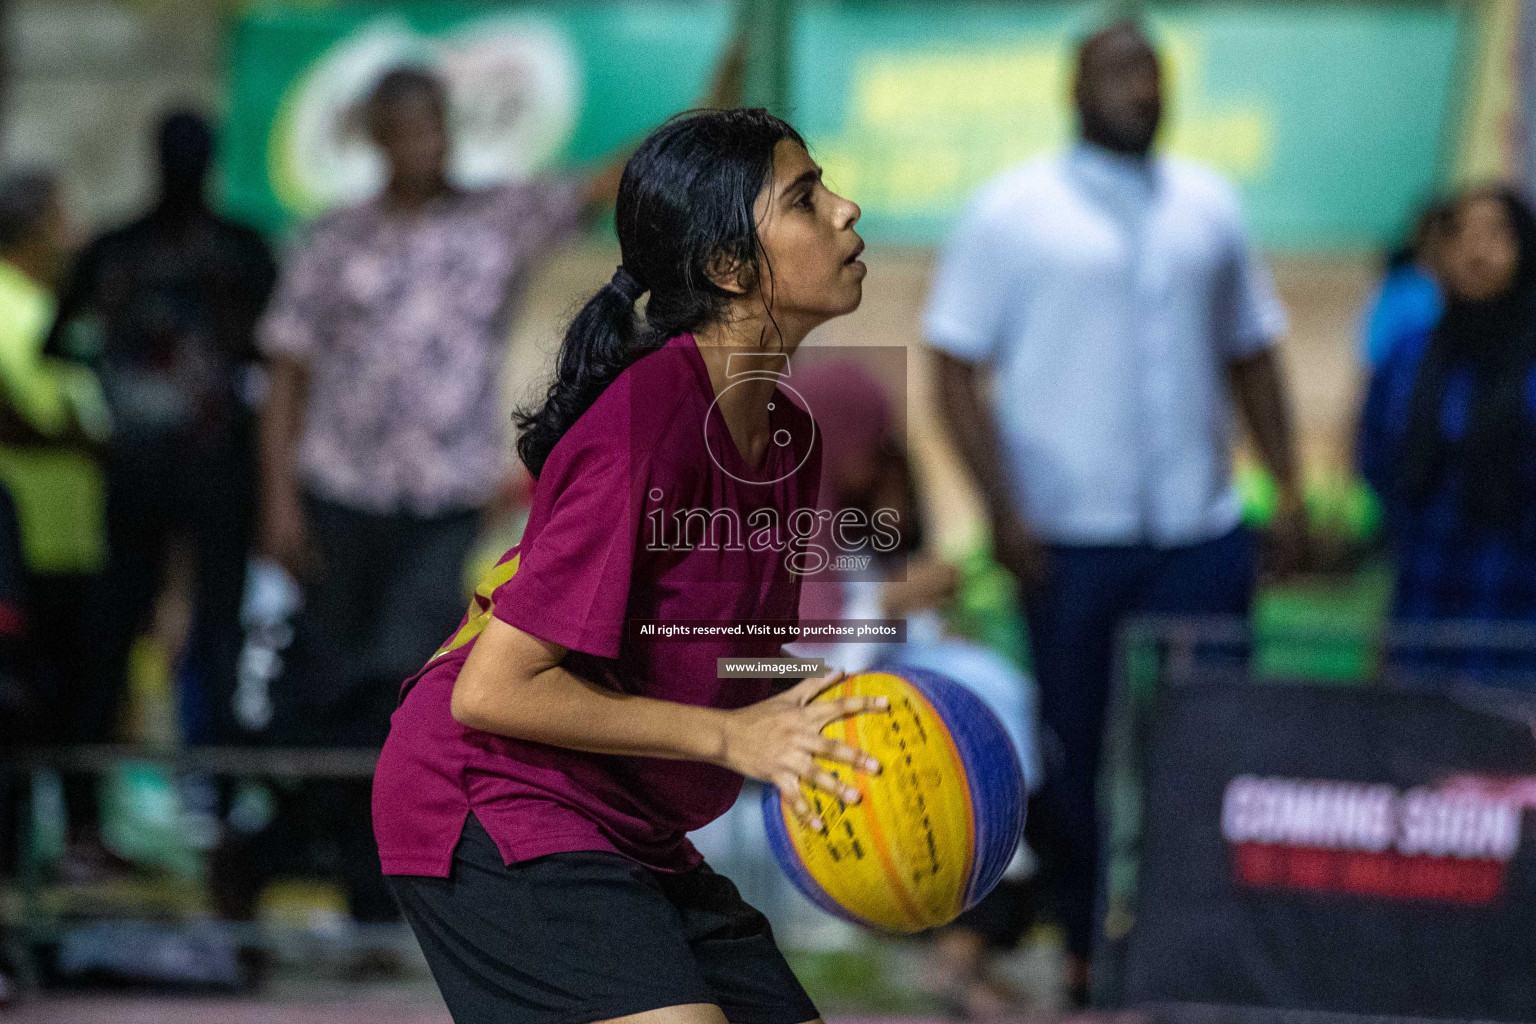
x: 933, y: 832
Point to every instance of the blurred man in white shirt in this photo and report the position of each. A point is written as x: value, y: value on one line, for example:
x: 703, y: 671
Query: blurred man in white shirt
x: 1096, y: 317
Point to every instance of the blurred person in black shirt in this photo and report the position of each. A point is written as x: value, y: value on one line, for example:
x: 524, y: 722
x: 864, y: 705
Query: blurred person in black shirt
x: 164, y: 310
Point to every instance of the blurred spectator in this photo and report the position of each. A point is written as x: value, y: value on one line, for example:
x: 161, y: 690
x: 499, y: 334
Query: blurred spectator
x: 382, y: 442
x: 1448, y: 435
x: 51, y: 417
x: 1113, y: 301
x: 164, y: 309
x: 865, y: 466
x: 1407, y: 301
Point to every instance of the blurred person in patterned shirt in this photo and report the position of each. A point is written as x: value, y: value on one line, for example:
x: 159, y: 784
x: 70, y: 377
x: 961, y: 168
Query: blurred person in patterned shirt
x: 381, y: 441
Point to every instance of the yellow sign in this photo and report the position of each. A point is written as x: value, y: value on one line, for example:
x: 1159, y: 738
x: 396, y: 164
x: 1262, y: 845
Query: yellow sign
x: 910, y: 138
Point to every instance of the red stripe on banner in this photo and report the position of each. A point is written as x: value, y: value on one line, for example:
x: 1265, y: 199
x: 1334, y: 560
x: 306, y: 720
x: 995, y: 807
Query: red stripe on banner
x: 12, y: 621
x: 1386, y: 875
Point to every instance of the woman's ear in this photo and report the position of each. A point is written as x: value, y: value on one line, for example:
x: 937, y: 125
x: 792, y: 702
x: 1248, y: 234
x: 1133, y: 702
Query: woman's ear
x: 731, y: 274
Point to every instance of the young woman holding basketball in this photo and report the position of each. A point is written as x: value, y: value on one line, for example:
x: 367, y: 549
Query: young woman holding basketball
x: 542, y: 771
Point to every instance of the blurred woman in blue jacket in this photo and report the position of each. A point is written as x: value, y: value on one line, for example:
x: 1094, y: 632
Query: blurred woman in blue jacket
x: 1448, y: 434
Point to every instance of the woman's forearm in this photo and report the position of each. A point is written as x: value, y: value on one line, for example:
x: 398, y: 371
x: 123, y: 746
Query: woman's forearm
x: 496, y: 694
x: 513, y: 684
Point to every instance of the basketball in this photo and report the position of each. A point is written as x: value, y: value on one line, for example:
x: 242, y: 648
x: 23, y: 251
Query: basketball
x: 933, y: 832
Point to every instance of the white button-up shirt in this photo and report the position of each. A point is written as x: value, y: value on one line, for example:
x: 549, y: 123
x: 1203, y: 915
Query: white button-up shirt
x: 1108, y: 295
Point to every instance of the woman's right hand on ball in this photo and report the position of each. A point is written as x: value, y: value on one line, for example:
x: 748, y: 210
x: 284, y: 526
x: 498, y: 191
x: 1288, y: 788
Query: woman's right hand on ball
x: 778, y: 741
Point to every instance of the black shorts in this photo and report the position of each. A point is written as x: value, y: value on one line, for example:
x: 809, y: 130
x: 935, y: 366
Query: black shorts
x: 570, y: 938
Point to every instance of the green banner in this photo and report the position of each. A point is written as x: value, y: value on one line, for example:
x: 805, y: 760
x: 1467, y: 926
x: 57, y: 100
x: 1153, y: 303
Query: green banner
x: 533, y: 86
x: 1333, y: 120
x: 1329, y: 117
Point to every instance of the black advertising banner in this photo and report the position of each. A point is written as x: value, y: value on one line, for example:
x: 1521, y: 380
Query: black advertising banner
x: 1337, y: 850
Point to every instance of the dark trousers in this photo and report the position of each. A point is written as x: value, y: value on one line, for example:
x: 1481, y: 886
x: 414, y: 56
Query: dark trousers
x: 387, y: 592
x: 20, y: 718
x: 1073, y: 620
x: 56, y: 642
x: 161, y: 491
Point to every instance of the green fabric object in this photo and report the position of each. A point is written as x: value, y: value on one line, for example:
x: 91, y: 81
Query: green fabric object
x: 1345, y: 508
x: 1322, y: 632
x: 59, y: 494
x: 1337, y: 506
x: 1259, y: 495
x: 142, y: 818
x: 986, y: 607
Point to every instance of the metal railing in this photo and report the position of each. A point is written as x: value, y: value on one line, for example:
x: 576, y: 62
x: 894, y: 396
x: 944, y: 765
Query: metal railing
x: 34, y: 923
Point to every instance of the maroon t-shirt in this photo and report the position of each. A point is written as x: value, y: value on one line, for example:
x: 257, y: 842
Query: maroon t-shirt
x: 645, y: 511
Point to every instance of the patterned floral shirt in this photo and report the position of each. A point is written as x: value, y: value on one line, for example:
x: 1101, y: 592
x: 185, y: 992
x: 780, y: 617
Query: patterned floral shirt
x: 402, y: 321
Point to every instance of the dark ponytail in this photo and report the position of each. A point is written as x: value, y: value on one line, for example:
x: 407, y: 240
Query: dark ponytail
x: 685, y: 205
